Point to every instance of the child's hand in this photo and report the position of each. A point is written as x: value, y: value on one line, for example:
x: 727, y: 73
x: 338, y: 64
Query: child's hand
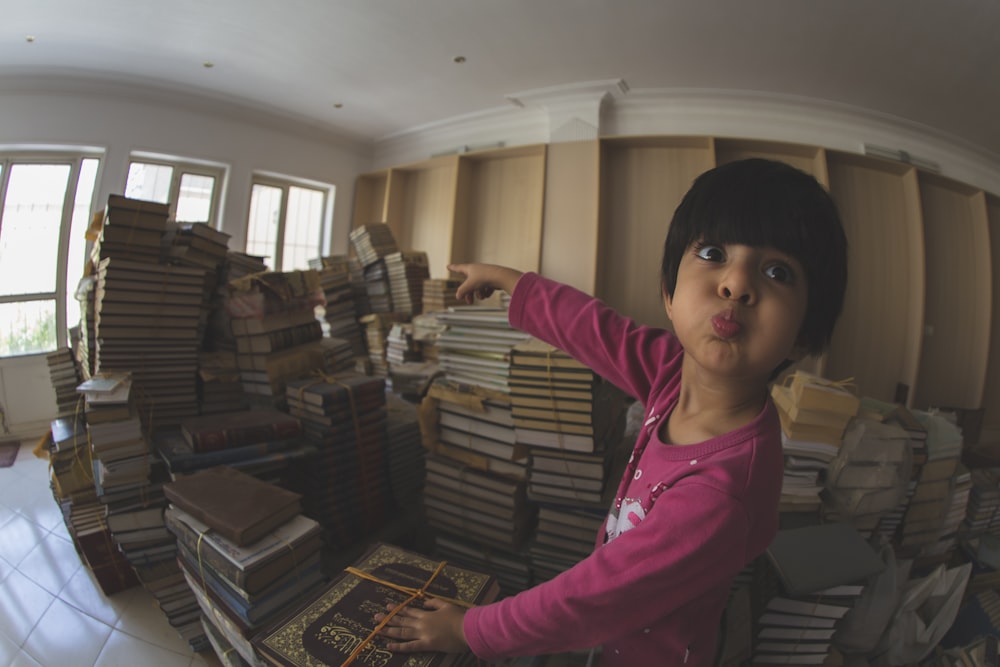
x: 436, y: 627
x: 482, y: 279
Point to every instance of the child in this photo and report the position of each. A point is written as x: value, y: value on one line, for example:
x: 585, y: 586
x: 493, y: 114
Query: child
x: 753, y: 277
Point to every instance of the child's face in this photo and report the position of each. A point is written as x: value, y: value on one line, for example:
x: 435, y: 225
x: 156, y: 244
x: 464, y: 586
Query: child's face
x: 737, y: 309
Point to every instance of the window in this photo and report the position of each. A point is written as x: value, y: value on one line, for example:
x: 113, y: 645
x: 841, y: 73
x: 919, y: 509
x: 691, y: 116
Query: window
x: 45, y: 206
x: 288, y: 222
x: 192, y: 189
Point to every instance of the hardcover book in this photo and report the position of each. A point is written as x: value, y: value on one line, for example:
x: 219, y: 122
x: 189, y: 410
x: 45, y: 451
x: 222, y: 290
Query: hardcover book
x: 336, y: 623
x: 239, y: 506
x: 207, y: 433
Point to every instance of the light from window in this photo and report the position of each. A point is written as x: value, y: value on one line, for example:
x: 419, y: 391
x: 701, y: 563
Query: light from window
x: 150, y: 182
x: 27, y: 327
x: 265, y: 213
x: 303, y: 228
x: 77, y: 254
x: 194, y: 200
x: 29, y: 228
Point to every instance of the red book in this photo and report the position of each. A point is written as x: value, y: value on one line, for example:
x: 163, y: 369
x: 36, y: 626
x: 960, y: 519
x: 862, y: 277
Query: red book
x: 207, y: 433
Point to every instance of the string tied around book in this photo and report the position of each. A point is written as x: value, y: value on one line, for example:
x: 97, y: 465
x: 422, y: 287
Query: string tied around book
x: 413, y: 593
x: 846, y: 384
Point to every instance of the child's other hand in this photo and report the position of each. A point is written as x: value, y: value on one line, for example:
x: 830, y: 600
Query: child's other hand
x: 436, y: 627
x: 482, y: 279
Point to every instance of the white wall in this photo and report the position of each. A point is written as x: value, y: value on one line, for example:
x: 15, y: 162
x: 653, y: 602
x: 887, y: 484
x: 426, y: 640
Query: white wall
x: 120, y: 120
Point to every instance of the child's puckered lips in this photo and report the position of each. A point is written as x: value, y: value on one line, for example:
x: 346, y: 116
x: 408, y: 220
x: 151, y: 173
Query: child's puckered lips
x: 725, y: 325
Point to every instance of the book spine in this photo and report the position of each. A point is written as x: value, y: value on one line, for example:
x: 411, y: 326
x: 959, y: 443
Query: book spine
x: 190, y: 539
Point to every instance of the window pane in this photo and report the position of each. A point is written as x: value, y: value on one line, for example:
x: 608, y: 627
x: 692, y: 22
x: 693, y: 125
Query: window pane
x: 262, y: 229
x: 29, y: 228
x: 303, y: 227
x: 77, y: 237
x: 194, y: 202
x: 27, y: 327
x: 149, y: 181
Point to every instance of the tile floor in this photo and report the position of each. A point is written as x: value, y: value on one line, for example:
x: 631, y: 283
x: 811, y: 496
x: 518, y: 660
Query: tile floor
x: 52, y: 612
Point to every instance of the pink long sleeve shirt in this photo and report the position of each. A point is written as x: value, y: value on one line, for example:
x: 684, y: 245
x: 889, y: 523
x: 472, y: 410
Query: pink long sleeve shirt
x: 686, y: 519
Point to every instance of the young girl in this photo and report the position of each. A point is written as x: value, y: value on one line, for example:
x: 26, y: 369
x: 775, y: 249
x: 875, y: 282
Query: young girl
x: 753, y: 277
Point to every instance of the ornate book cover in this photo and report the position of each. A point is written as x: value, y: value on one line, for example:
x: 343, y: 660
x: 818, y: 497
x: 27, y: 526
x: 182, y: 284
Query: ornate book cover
x: 327, y: 629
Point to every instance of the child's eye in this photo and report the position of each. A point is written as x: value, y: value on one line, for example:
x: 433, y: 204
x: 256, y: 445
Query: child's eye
x: 779, y: 272
x: 709, y: 253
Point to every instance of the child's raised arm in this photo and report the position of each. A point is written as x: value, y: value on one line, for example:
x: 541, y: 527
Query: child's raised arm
x: 482, y: 279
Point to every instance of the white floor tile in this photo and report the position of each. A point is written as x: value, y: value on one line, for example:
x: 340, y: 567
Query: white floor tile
x: 22, y: 603
x: 16, y: 491
x: 44, y: 510
x: 51, y: 564
x: 18, y: 537
x: 83, y: 592
x: 124, y: 650
x: 8, y: 649
x: 142, y: 618
x: 25, y: 660
x: 66, y: 636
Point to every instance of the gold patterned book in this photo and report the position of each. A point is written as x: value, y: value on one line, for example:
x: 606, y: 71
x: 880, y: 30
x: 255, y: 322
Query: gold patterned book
x: 331, y: 626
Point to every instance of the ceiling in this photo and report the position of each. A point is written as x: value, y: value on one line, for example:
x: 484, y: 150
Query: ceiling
x: 391, y: 66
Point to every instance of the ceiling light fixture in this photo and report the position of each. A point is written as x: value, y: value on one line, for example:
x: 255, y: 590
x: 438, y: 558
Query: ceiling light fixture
x: 459, y: 59
x: 338, y: 105
x: 30, y: 39
x: 208, y: 64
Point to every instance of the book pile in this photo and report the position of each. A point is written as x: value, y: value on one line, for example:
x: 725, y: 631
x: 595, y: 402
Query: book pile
x: 340, y: 319
x: 565, y: 535
x: 266, y: 459
x: 357, y: 275
x: 983, y: 511
x: 64, y: 374
x: 934, y: 484
x: 476, y: 346
x: 942, y: 550
x: 475, y: 492
x: 129, y: 484
x: 196, y: 244
x: 245, y: 551
x: 240, y: 264
x: 219, y: 386
x: 149, y: 322
x: 345, y: 485
x: 385, y: 573
x: 372, y: 242
x: 814, y: 414
x: 405, y: 451
x: 560, y: 404
x: 439, y: 294
x: 377, y: 326
x: 378, y: 288
x: 974, y: 638
x: 407, y: 269
x: 427, y: 328
x: 983, y: 553
x: 86, y: 349
x: 868, y: 479
x: 273, y: 349
x: 132, y: 228
x: 400, y: 347
x: 73, y: 488
x: 807, y: 581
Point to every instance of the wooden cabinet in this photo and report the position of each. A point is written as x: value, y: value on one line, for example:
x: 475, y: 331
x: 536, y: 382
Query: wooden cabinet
x: 921, y: 318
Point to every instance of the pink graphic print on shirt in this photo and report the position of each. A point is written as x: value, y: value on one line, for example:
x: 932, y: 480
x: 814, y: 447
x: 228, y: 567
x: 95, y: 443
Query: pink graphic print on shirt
x: 625, y: 518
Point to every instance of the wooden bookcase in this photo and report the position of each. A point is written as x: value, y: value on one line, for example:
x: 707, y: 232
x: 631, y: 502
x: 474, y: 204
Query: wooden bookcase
x: 921, y: 319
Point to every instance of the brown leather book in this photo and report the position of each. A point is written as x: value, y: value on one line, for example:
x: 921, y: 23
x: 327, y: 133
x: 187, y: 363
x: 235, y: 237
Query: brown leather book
x: 238, y: 506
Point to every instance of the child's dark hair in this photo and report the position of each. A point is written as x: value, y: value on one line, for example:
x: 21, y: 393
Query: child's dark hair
x: 759, y: 202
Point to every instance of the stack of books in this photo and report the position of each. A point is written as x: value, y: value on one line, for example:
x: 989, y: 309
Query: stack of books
x: 407, y: 269
x: 64, y: 374
x: 196, y: 244
x: 560, y: 404
x: 357, y: 274
x: 377, y: 287
x: 276, y: 348
x: 383, y: 574
x: 427, y: 328
x: 807, y: 581
x: 346, y: 484
x: 377, y: 326
x: 439, y: 294
x: 339, y: 313
x: 983, y: 511
x: 814, y: 414
x: 868, y: 479
x: 372, y: 242
x: 565, y: 535
x: 219, y: 386
x: 72, y: 483
x: 132, y: 228
x: 245, y: 550
x: 119, y: 449
x: 405, y: 452
x: 475, y: 348
x: 149, y: 322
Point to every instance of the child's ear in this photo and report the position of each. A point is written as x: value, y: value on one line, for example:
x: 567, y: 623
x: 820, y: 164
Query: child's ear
x: 668, y: 303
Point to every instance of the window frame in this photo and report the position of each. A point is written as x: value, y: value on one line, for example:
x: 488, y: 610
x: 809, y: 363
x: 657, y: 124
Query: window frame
x: 180, y: 167
x: 74, y: 158
x: 284, y: 183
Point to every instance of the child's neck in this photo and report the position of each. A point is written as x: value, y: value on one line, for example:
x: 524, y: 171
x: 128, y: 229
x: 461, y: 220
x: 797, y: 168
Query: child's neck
x: 707, y: 410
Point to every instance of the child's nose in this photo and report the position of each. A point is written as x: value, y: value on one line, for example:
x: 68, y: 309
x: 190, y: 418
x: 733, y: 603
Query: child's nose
x: 737, y: 284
